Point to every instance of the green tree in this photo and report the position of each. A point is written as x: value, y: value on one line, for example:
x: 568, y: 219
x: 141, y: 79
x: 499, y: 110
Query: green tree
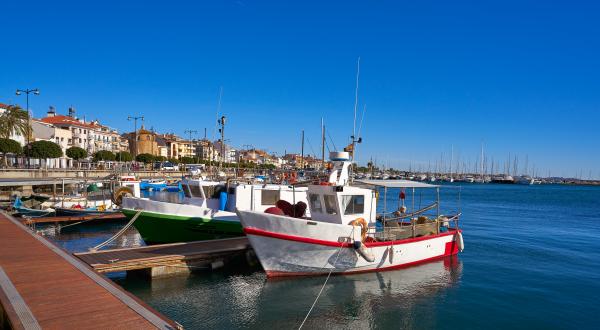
x: 104, y: 155
x: 8, y: 146
x: 43, y: 150
x: 14, y: 120
x: 124, y: 156
x: 145, y: 158
x: 174, y: 160
x: 76, y: 153
x: 160, y: 158
x: 187, y: 160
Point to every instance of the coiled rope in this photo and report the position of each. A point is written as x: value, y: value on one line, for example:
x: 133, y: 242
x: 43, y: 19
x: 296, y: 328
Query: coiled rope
x: 119, y: 233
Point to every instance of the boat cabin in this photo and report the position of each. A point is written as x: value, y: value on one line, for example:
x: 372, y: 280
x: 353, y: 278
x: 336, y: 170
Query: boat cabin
x: 227, y: 196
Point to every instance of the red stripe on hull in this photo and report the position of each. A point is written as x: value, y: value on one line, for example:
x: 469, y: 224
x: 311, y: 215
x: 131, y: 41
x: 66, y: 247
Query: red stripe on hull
x: 308, y: 240
x: 449, y: 253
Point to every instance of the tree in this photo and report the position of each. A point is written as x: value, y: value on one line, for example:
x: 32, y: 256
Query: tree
x: 124, y: 156
x: 187, y: 160
x: 76, y: 153
x: 104, y: 155
x: 145, y: 158
x: 43, y: 150
x: 160, y: 158
x: 14, y: 120
x: 8, y: 146
x: 174, y: 160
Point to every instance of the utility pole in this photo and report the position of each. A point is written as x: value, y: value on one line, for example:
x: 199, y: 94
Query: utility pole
x: 190, y: 132
x: 135, y: 119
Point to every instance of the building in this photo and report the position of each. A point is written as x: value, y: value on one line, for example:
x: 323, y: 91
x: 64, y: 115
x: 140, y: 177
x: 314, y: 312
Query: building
x: 206, y: 150
x: 146, y: 142
x: 91, y: 136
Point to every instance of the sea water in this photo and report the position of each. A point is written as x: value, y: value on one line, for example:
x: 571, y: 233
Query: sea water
x: 531, y: 261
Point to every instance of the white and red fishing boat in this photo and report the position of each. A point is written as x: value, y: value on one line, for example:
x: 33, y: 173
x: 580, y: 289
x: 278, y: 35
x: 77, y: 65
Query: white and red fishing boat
x: 345, y: 234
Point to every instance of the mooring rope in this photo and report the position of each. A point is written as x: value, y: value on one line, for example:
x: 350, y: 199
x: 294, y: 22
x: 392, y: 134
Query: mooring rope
x: 119, y: 233
x: 326, y: 279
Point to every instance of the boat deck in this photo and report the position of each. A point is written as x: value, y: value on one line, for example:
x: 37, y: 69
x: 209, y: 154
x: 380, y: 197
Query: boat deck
x: 42, y: 286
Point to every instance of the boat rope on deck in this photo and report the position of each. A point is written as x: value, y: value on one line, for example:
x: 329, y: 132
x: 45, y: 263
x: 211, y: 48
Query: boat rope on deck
x: 36, y: 260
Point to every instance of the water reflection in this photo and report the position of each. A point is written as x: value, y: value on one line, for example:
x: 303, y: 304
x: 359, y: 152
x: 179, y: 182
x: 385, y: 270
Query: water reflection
x: 243, y: 298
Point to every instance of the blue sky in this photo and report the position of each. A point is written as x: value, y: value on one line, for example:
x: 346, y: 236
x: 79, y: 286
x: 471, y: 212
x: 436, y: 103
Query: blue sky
x: 523, y: 77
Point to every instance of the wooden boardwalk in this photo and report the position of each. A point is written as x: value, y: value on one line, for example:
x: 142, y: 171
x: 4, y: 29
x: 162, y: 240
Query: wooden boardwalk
x: 190, y: 254
x: 42, y: 286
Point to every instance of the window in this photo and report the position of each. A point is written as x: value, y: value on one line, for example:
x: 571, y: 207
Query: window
x: 315, y: 203
x: 269, y: 197
x: 192, y: 190
x: 354, y: 204
x: 330, y: 204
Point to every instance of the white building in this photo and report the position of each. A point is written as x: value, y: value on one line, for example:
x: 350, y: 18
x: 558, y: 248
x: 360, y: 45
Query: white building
x: 14, y: 135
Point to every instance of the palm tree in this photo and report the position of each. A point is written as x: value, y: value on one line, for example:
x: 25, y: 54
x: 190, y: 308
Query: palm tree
x: 14, y: 120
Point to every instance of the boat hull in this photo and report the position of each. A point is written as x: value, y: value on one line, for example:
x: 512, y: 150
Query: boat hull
x: 162, y: 222
x: 297, y: 247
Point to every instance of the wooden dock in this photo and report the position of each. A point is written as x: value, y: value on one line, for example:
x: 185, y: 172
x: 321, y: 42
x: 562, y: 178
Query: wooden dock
x: 42, y: 286
x: 167, y: 259
x: 105, y: 217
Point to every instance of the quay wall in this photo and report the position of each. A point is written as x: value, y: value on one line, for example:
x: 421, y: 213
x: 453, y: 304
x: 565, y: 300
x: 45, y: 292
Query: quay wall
x: 75, y: 173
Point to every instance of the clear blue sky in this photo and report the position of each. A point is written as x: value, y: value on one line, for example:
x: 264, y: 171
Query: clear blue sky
x: 522, y: 76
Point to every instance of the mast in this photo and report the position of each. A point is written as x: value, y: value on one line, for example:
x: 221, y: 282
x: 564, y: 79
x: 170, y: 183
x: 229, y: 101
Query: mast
x: 322, y: 144
x: 302, y: 152
x: 481, y: 163
x: 451, y: 159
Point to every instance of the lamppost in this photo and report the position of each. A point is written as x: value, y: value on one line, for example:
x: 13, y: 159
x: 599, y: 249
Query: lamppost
x: 35, y: 91
x: 135, y: 119
x: 190, y: 132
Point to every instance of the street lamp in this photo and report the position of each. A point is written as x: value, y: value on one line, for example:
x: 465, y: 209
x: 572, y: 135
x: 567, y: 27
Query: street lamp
x: 135, y: 119
x: 190, y: 132
x: 35, y: 91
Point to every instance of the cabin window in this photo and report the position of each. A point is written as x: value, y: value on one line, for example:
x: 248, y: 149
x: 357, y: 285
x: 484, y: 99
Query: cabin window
x: 269, y: 197
x: 213, y: 191
x: 315, y: 203
x: 330, y: 204
x: 354, y: 204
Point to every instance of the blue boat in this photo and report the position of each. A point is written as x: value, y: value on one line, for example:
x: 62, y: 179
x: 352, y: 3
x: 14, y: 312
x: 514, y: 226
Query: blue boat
x: 153, y: 184
x: 28, y: 212
x: 174, y: 188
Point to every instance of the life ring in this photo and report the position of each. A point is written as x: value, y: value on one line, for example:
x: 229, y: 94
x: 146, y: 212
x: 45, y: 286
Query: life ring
x: 364, y: 227
x: 119, y: 193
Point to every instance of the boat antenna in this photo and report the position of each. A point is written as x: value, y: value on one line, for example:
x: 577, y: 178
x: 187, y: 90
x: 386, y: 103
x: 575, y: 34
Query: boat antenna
x: 354, y: 139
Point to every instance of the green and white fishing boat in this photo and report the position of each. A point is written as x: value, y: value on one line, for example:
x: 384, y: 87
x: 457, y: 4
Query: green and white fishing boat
x: 207, y: 211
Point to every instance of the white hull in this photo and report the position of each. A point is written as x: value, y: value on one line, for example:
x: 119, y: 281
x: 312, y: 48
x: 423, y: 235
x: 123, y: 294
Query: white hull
x: 291, y: 247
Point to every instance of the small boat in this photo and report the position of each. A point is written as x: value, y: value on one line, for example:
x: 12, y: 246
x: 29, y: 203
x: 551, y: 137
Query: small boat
x: 153, y: 184
x: 174, y: 187
x: 29, y: 212
x: 344, y: 234
x: 80, y: 211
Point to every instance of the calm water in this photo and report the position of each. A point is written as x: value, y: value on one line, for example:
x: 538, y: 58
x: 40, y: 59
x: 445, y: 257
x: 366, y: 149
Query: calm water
x: 531, y: 260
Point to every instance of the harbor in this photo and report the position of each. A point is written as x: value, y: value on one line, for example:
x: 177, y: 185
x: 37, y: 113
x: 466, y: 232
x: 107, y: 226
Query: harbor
x: 300, y: 165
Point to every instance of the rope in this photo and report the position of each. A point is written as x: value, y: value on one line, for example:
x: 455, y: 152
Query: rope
x: 119, y: 233
x: 326, y: 279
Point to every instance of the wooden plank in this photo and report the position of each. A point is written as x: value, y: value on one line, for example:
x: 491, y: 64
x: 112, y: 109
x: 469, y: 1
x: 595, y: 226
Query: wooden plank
x: 61, y: 291
x: 24, y: 318
x: 104, y: 217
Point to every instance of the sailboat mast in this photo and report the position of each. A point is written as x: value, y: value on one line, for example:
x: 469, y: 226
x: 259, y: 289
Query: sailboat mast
x: 322, y: 144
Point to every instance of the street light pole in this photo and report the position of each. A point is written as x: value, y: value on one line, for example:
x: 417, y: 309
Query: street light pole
x: 190, y: 133
x: 35, y: 91
x: 135, y: 119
